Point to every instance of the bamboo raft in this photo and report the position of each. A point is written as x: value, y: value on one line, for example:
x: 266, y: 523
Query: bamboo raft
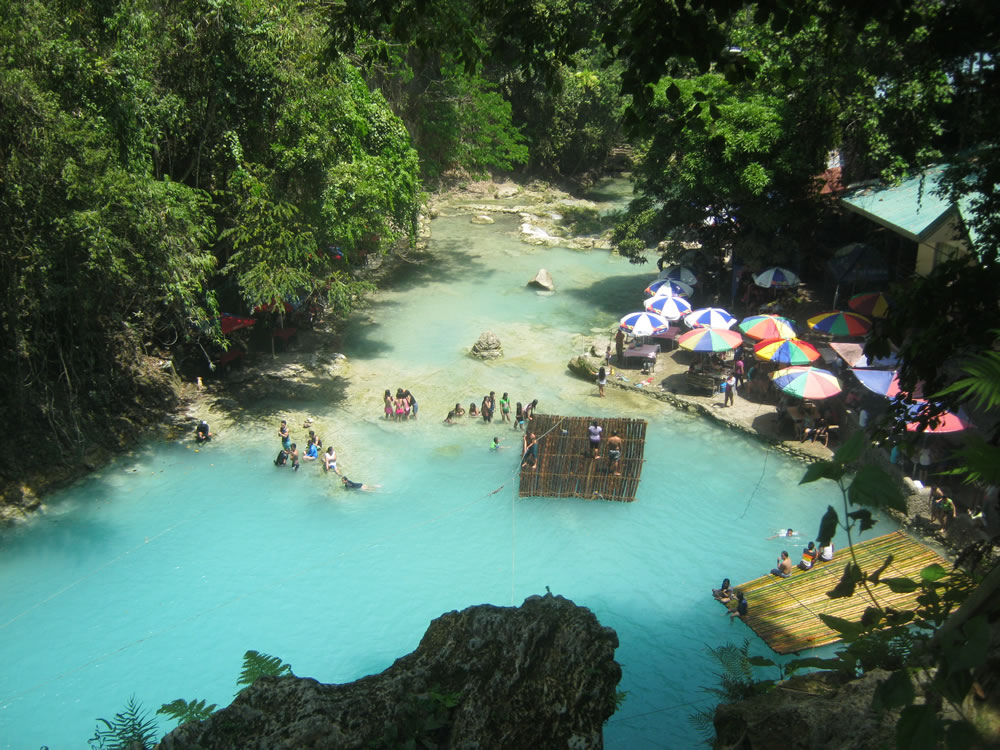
x: 783, y: 611
x: 565, y: 466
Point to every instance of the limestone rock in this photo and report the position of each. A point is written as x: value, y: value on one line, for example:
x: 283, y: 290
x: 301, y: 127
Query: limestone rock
x: 508, y: 190
x: 487, y: 347
x: 584, y: 367
x: 482, y: 219
x: 541, y: 675
x: 535, y: 235
x: 543, y: 280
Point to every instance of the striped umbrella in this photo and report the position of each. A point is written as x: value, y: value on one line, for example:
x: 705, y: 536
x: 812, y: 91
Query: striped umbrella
x: 786, y: 351
x: 872, y: 304
x: 807, y: 382
x: 709, y: 317
x: 679, y: 273
x: 709, y: 340
x: 671, y: 308
x: 643, y: 323
x: 943, y: 423
x: 762, y: 327
x: 662, y: 287
x: 776, y: 278
x: 840, y: 323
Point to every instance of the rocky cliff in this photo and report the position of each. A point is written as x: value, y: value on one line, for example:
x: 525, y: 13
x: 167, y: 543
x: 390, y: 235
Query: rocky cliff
x: 541, y: 675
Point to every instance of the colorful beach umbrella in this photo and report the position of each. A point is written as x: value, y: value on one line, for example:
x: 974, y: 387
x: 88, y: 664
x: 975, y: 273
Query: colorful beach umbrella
x: 671, y: 308
x: 840, y: 323
x: 643, y: 323
x: 709, y: 317
x: 884, y: 383
x: 668, y: 287
x: 776, y: 278
x: 679, y: 273
x: 872, y: 304
x: 943, y: 423
x: 709, y: 340
x: 760, y: 327
x: 786, y: 351
x: 807, y: 382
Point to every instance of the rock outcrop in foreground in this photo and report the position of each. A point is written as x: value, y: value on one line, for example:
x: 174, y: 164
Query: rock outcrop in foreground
x: 541, y: 675
x: 487, y: 347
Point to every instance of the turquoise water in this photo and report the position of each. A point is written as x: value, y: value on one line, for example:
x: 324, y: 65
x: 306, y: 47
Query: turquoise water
x: 153, y: 576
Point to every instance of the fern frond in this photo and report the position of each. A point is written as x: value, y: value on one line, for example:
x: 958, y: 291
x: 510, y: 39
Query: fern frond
x: 256, y: 664
x: 184, y: 712
x: 131, y: 729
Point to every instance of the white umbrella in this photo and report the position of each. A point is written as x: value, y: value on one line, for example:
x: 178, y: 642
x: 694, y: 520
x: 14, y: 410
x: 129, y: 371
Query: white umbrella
x: 710, y: 317
x: 664, y: 287
x: 643, y: 323
x: 776, y: 278
x: 679, y: 273
x: 671, y: 308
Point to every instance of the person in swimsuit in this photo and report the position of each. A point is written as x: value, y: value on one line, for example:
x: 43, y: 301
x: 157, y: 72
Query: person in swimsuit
x: 519, y: 417
x: 349, y: 485
x: 400, y: 407
x: 389, y: 404
x: 784, y: 568
x: 472, y: 409
x: 741, y: 606
x: 529, y: 410
x: 725, y: 592
x: 413, y: 403
x: 310, y: 452
x: 505, y: 407
x: 293, y: 454
x: 595, y: 439
x: 484, y: 410
x: 286, y: 440
x: 602, y: 380
x: 496, y: 444
x: 615, y: 452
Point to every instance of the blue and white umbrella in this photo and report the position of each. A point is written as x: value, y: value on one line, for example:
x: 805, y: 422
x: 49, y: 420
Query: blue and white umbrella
x: 669, y: 287
x: 710, y: 317
x: 671, y: 308
x: 679, y: 273
x: 643, y: 323
x: 776, y: 278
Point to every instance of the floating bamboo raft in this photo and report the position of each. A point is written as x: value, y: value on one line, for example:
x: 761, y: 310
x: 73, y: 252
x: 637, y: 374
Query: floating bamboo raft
x: 783, y: 611
x: 565, y: 464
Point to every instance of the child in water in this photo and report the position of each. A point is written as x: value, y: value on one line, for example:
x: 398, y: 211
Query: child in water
x: 472, y: 410
x: 519, y: 417
x: 496, y: 444
x: 505, y: 407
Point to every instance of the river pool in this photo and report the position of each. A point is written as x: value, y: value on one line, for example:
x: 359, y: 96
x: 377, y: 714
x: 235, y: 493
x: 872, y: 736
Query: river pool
x: 154, y: 575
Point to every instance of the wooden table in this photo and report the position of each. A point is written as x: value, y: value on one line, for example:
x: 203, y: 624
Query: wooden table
x: 647, y: 352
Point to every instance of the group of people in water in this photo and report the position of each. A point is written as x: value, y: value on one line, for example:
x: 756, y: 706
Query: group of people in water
x: 289, y: 455
x: 488, y: 409
x: 401, y: 407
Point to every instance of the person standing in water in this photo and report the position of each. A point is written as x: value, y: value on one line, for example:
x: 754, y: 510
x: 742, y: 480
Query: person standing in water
x: 519, y: 417
x: 602, y: 380
x: 286, y: 440
x: 505, y: 407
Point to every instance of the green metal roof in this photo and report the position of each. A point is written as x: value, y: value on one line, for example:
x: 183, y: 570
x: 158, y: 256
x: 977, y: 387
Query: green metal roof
x: 912, y: 208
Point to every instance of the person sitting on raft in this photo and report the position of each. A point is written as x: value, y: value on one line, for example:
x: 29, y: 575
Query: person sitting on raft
x: 785, y: 566
x: 826, y: 553
x: 741, y: 606
x: 725, y: 592
x: 808, y: 557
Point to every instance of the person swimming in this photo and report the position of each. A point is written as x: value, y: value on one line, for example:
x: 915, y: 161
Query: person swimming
x: 350, y: 485
x: 496, y: 444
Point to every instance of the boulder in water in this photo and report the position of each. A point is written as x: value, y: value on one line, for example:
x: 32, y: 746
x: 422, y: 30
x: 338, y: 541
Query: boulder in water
x: 487, y: 347
x: 543, y: 280
x: 482, y: 219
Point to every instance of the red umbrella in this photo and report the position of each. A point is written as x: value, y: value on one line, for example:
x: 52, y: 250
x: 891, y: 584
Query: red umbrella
x: 270, y: 306
x: 230, y: 323
x: 872, y: 304
x: 945, y: 422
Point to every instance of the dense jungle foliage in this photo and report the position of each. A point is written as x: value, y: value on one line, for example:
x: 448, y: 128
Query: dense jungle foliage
x: 164, y: 164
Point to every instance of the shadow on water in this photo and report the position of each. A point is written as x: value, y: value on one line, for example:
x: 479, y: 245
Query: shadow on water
x: 449, y: 261
x: 616, y: 295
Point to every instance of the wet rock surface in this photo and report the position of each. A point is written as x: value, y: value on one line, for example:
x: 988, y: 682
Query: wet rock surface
x: 487, y: 347
x: 541, y: 675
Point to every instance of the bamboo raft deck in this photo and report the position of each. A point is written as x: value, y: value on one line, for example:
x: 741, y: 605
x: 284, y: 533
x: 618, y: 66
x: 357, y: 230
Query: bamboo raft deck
x: 783, y: 611
x: 565, y: 466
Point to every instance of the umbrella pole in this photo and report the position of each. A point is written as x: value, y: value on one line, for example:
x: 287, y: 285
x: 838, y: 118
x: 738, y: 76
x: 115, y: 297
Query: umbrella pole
x: 836, y: 293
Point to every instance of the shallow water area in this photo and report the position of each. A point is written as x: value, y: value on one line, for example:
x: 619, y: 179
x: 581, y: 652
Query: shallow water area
x: 153, y: 576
